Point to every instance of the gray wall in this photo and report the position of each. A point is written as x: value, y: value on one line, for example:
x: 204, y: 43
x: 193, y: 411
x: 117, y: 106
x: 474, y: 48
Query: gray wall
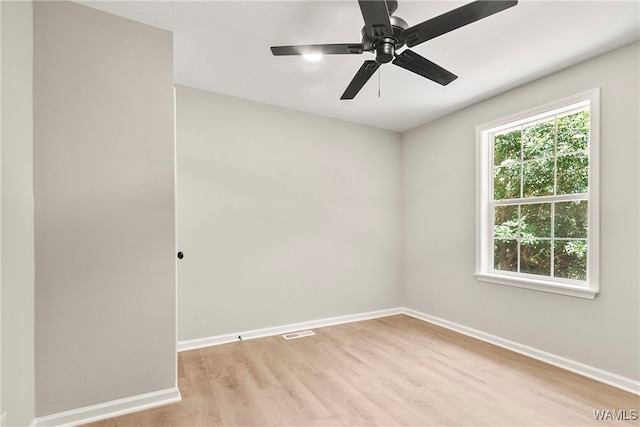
x: 104, y: 208
x: 283, y: 216
x: 439, y: 201
x: 17, y: 213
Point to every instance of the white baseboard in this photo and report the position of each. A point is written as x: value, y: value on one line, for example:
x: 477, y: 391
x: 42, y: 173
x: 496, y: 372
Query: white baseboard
x: 278, y: 330
x: 597, y: 374
x: 110, y: 409
x: 149, y: 400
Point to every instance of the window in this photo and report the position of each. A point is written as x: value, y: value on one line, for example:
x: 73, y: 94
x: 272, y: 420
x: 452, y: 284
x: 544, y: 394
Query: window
x: 537, y: 198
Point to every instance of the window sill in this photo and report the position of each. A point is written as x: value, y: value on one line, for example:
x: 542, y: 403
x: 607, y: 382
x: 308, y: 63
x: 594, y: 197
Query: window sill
x: 538, y: 285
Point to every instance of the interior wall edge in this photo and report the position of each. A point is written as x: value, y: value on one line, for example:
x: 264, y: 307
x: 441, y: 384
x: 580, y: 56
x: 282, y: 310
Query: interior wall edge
x: 17, y: 208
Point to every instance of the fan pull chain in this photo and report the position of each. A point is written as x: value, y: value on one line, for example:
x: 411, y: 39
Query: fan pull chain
x: 378, y: 82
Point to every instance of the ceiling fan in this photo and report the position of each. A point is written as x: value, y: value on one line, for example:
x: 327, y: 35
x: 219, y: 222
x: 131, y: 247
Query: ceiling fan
x: 384, y: 33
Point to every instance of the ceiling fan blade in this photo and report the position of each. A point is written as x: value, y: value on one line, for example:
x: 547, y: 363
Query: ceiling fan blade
x: 454, y: 19
x: 362, y: 76
x: 324, y: 49
x: 415, y: 63
x: 376, y: 18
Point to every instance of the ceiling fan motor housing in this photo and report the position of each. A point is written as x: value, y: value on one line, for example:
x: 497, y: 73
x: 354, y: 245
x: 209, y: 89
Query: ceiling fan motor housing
x: 385, y: 46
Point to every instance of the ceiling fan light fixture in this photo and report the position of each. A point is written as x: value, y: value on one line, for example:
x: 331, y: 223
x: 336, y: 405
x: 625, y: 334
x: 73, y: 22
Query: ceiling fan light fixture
x: 312, y: 57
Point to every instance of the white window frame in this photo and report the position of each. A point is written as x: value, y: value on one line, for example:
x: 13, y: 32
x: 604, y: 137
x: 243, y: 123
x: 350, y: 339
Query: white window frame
x: 484, y: 194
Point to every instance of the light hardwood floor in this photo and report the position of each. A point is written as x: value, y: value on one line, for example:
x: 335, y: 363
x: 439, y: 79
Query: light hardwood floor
x: 390, y: 371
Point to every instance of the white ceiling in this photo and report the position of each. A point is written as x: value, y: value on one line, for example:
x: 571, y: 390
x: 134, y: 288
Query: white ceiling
x: 223, y: 47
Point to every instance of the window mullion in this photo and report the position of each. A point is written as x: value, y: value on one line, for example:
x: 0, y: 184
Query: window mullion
x: 555, y: 193
x: 553, y: 237
x: 519, y: 235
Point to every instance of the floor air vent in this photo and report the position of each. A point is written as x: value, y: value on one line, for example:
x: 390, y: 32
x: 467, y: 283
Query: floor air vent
x: 300, y: 334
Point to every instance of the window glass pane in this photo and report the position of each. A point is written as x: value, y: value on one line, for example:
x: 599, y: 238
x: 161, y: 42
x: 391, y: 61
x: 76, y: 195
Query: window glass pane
x: 573, y: 174
x: 506, y: 148
x: 506, y: 182
x: 538, y: 140
x: 505, y: 255
x: 570, y: 259
x: 573, y: 132
x: 535, y: 257
x: 535, y: 220
x: 506, y: 222
x: 571, y: 219
x: 538, y: 178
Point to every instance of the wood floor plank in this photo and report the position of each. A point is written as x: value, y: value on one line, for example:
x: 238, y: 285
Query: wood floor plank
x: 395, y: 371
